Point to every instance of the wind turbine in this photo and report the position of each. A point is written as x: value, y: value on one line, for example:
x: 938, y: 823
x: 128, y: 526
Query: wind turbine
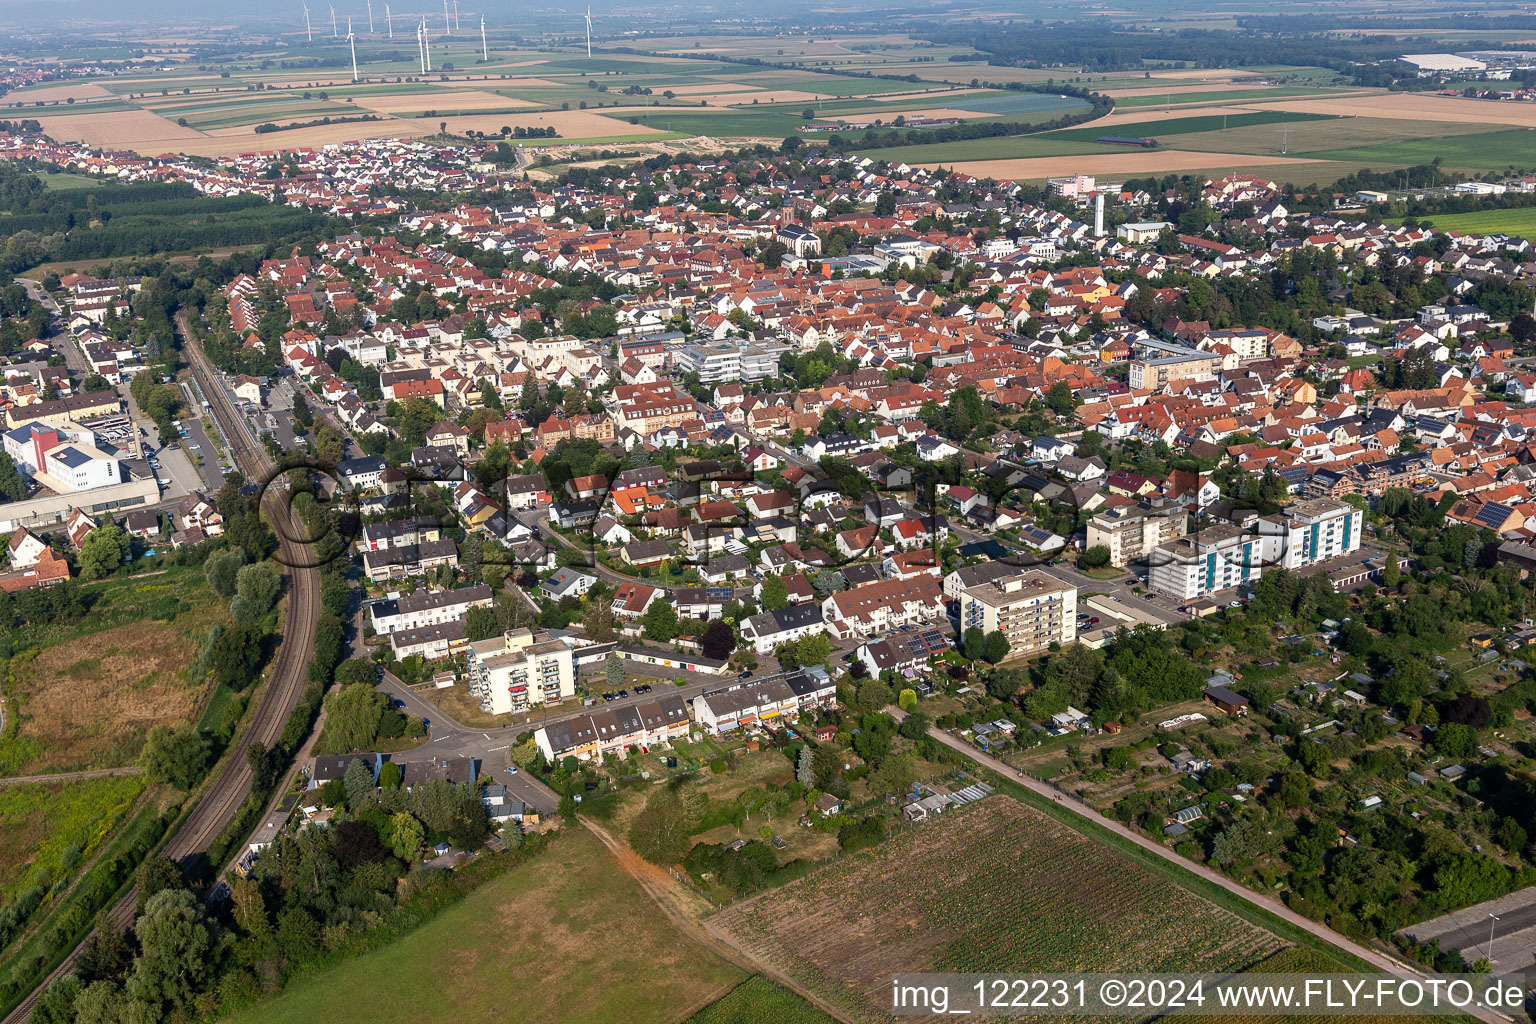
x: 308, y: 32
x: 334, y: 33
x: 370, y: 17
x: 352, y: 42
x: 426, y: 43
x: 389, y: 23
x: 447, y: 25
x: 485, y: 53
x: 589, y: 30
x: 455, y: 15
x: 421, y: 46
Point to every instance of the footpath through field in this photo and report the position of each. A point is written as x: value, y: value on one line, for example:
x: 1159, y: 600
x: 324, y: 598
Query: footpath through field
x: 93, y: 773
x: 1375, y: 958
x: 662, y: 888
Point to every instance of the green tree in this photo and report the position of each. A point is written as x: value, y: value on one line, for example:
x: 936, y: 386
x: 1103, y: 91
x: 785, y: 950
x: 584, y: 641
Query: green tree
x: 1095, y: 557
x: 996, y: 647
x: 775, y: 594
x: 661, y: 831
x: 524, y: 754
x: 1391, y: 571
x: 352, y: 716
x: 12, y: 486
x: 104, y: 549
x: 220, y: 568
x: 178, y: 948
x: 154, y: 876
x: 614, y: 671
x: 405, y: 836
x: 177, y: 756
x: 659, y: 623
x: 481, y: 624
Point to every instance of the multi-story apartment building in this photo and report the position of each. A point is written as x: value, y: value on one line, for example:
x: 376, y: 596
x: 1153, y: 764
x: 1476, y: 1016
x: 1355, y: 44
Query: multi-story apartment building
x: 520, y: 670
x: 427, y: 608
x: 1032, y: 609
x: 1160, y: 364
x: 885, y: 605
x: 1132, y: 531
x: 1217, y: 558
x: 1315, y: 531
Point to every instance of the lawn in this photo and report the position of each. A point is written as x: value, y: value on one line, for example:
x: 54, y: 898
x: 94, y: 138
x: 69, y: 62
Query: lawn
x: 82, y: 693
x: 48, y: 830
x: 569, y: 936
x: 71, y: 182
x: 995, y: 886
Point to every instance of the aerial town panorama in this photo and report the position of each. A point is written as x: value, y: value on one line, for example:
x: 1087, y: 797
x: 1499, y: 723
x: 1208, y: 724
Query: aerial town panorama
x: 684, y: 515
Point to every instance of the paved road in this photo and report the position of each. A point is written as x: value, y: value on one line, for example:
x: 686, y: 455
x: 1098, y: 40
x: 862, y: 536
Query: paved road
x: 1375, y: 958
x: 94, y: 773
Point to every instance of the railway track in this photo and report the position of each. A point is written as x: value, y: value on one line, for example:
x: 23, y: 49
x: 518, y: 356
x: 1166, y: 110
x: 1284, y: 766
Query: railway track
x: 285, y: 685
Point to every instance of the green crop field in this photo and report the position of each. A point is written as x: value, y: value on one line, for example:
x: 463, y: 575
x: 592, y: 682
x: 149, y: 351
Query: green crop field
x: 758, y: 1000
x: 1484, y: 151
x: 1316, y: 138
x: 1175, y: 125
x: 1520, y: 221
x: 569, y: 936
x: 1005, y: 148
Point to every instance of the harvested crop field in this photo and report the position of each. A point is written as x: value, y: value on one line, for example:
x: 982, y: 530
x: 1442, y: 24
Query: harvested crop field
x: 128, y: 129
x: 72, y: 91
x: 1419, y: 107
x: 1134, y: 162
x: 995, y: 886
x: 231, y: 141
x: 442, y: 100
x: 739, y: 99
x: 571, y: 124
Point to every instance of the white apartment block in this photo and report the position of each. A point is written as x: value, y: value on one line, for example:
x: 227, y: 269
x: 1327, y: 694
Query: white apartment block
x: 520, y: 670
x: 1318, y: 530
x: 1131, y: 532
x: 427, y: 608
x: 1032, y: 609
x: 1216, y: 558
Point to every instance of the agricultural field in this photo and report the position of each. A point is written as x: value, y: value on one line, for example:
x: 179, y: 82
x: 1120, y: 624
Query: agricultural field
x: 757, y: 1000
x: 600, y: 949
x: 1520, y: 221
x: 1223, y: 93
x: 961, y: 894
x: 47, y: 830
x: 83, y: 695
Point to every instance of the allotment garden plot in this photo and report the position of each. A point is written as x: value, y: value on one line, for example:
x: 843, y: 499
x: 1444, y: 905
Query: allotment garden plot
x: 991, y: 887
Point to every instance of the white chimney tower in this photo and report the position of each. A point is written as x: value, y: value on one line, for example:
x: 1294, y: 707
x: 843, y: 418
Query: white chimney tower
x: 1098, y: 215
